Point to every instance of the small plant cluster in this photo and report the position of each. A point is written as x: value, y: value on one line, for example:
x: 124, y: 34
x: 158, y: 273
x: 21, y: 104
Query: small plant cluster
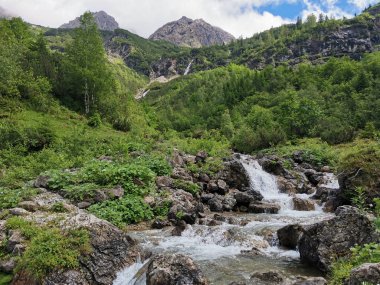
x: 188, y: 186
x: 9, y: 198
x: 127, y: 210
x: 135, y: 176
x: 49, y: 248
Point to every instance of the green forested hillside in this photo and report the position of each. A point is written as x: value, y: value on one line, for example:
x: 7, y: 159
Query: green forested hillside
x: 335, y: 101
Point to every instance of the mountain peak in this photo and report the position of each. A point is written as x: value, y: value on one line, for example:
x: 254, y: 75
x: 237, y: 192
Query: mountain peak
x: 102, y: 19
x: 192, y: 33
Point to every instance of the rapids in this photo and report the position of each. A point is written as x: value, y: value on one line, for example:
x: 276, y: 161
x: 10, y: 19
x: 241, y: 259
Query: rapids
x: 224, y: 252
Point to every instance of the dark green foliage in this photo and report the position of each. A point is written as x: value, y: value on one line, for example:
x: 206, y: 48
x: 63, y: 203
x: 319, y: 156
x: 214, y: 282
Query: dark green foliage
x: 127, y: 210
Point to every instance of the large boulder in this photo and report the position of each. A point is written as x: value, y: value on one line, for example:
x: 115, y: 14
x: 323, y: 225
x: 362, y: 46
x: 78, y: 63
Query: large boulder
x: 263, y: 207
x: 184, y: 207
x: 326, y: 240
x: 246, y: 198
x: 222, y: 203
x: 367, y: 273
x: 235, y: 175
x: 174, y: 269
x: 111, y: 248
x: 289, y: 235
x: 303, y: 204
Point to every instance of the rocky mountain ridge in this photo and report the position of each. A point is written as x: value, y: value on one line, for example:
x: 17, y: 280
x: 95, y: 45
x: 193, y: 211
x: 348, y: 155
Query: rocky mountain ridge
x: 104, y: 21
x: 192, y: 33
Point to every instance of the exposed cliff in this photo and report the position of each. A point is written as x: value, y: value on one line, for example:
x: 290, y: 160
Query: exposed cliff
x: 192, y: 33
x: 104, y: 21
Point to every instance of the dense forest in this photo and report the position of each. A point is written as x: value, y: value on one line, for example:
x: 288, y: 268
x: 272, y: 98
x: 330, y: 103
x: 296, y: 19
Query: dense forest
x: 67, y: 104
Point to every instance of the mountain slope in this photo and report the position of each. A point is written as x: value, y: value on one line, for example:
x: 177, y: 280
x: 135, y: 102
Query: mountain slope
x: 192, y: 33
x: 104, y: 22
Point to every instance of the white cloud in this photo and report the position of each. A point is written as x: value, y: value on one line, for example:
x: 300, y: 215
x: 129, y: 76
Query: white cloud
x: 361, y: 4
x: 145, y: 16
x: 325, y: 7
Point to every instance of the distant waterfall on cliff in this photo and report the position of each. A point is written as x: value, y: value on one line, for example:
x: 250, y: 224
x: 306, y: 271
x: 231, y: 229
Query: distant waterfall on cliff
x: 188, y: 67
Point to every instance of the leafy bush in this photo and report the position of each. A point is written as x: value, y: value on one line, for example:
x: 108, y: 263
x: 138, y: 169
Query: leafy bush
x: 9, y: 198
x: 95, y: 121
x: 187, y: 186
x: 127, y: 210
x: 369, y: 253
x: 49, y: 248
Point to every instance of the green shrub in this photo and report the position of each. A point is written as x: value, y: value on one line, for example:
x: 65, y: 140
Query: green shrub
x: 49, y: 248
x: 127, y: 210
x: 9, y: 198
x: 162, y: 209
x: 95, y: 121
x: 58, y: 207
x: 5, y: 279
x: 38, y: 138
x: 187, y: 186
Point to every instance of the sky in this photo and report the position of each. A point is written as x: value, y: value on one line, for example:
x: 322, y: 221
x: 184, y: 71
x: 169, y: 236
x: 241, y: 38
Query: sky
x: 239, y: 17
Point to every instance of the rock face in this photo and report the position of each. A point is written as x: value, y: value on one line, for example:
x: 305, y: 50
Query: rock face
x: 367, y: 273
x: 104, y: 22
x: 323, y: 241
x: 174, y: 269
x: 192, y: 33
x: 289, y: 235
x: 112, y: 249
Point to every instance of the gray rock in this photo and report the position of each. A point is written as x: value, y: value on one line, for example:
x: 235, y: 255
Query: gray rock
x: 216, y: 204
x: 324, y: 240
x: 7, y: 265
x: 41, y: 181
x: 83, y: 205
x: 69, y: 277
x: 28, y: 205
x: 174, y: 269
x: 235, y: 175
x: 201, y: 156
x: 246, y: 198
x: 367, y: 273
x: 18, y: 212
x: 312, y: 281
x: 192, y: 33
x: 263, y: 207
x: 289, y: 235
x: 177, y: 159
x: 222, y: 187
x: 115, y: 193
x: 303, y: 204
x: 270, y: 277
x: 104, y: 22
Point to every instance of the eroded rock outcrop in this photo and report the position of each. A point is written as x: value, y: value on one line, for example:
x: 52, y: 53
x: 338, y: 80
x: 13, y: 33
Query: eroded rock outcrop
x: 174, y: 269
x: 321, y: 243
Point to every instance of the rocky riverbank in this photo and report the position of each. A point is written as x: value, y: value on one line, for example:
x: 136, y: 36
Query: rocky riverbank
x: 231, y: 209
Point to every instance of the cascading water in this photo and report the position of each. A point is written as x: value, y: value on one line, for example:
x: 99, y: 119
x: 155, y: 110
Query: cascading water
x: 220, y: 250
x: 187, y: 70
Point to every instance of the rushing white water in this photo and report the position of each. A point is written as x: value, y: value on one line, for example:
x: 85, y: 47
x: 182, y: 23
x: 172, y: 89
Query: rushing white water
x: 187, y: 70
x: 131, y: 276
x: 222, y: 251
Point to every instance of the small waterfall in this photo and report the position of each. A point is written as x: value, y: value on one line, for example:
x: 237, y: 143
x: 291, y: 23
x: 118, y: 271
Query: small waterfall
x: 188, y: 67
x: 266, y: 184
x: 132, y: 275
